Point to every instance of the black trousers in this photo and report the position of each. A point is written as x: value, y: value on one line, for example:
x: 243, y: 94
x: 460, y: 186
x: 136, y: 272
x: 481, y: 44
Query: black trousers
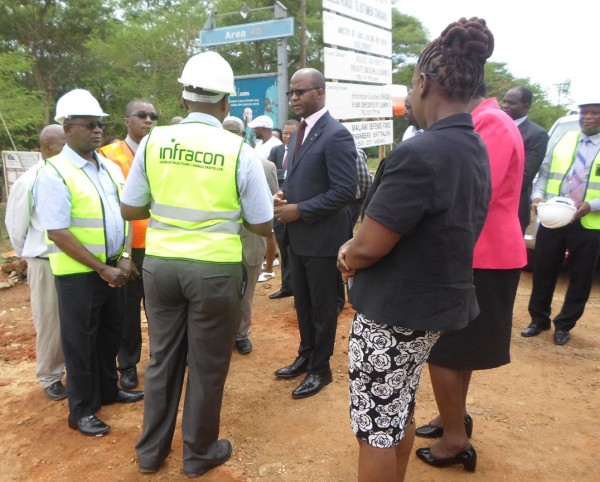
x: 284, y: 246
x: 91, y: 320
x: 583, y: 245
x: 131, y: 343
x: 316, y: 282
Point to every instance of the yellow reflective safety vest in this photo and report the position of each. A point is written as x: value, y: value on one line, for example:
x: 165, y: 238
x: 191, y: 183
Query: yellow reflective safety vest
x: 563, y: 157
x: 87, y: 216
x: 195, y: 210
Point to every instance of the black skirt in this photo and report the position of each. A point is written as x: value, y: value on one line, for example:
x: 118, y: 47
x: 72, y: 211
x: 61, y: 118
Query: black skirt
x: 485, y: 343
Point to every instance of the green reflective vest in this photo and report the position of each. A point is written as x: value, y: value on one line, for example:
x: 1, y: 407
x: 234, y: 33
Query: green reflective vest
x: 87, y: 216
x: 563, y: 157
x: 195, y: 210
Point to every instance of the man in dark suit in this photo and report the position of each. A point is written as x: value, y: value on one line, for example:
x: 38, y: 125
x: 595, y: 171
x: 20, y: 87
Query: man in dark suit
x: 516, y: 104
x: 320, y: 184
x: 278, y: 156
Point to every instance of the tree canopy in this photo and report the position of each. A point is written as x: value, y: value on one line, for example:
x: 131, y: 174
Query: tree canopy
x: 125, y: 49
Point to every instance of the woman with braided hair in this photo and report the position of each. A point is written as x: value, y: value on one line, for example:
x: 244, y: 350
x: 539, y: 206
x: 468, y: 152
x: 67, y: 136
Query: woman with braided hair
x: 411, y: 260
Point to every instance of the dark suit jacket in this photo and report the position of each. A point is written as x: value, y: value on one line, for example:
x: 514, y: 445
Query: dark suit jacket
x: 276, y: 157
x: 322, y: 180
x: 535, y: 140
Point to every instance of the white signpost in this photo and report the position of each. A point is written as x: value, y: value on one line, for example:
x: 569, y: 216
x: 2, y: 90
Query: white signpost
x: 347, y: 65
x: 358, y: 58
x: 345, y: 32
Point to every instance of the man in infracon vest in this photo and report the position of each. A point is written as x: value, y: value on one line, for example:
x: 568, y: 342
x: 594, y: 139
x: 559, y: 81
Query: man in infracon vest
x: 199, y: 184
x: 140, y: 117
x: 571, y: 170
x: 77, y: 198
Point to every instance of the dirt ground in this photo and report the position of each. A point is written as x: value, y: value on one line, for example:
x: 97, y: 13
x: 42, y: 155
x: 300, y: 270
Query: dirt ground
x: 535, y: 419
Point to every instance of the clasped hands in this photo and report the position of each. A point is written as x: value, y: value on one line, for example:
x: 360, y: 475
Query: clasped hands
x: 284, y: 212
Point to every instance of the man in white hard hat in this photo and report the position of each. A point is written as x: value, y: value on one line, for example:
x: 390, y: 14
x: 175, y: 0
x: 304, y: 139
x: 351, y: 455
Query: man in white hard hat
x: 263, y: 130
x: 140, y: 118
x: 28, y: 239
x: 199, y: 183
x: 77, y: 197
x: 571, y: 170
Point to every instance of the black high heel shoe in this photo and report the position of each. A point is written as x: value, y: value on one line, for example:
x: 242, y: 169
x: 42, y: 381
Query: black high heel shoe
x: 468, y: 458
x: 428, y: 431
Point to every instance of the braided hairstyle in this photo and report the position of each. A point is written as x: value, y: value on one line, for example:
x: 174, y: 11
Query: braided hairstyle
x: 456, y: 59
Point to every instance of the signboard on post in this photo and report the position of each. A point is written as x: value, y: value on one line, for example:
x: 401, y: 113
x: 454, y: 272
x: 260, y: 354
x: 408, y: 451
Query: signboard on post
x: 256, y: 93
x: 356, y: 101
x: 377, y: 12
x: 371, y: 133
x: 16, y: 163
x: 346, y: 65
x: 248, y: 32
x: 345, y: 32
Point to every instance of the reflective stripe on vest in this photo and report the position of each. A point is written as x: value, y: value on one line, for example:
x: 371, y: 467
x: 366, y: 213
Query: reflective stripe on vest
x: 87, y: 217
x: 195, y: 211
x: 563, y: 157
x: 121, y: 154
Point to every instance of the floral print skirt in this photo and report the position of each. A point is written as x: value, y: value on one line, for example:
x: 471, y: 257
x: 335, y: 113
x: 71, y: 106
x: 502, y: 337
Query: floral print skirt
x: 385, y: 364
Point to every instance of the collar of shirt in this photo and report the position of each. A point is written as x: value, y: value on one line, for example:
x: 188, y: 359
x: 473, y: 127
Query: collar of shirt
x: 520, y: 120
x: 132, y: 144
x: 312, y: 119
x: 79, y: 161
x: 202, y: 117
x: 595, y: 138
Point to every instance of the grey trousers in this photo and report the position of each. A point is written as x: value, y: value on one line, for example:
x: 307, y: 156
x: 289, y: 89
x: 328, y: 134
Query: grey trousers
x: 50, y: 361
x: 193, y: 313
x: 253, y: 273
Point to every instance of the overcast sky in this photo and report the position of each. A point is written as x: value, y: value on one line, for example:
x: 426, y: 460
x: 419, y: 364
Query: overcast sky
x: 549, y: 42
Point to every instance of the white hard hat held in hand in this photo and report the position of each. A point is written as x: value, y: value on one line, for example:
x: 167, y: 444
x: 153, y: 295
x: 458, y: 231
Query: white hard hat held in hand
x: 76, y: 103
x: 557, y: 212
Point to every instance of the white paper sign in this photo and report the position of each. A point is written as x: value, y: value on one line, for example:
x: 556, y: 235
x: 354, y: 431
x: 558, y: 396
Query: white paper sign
x: 377, y: 12
x: 371, y: 133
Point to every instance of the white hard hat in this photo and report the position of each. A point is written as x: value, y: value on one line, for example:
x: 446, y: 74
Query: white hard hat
x: 590, y: 100
x: 78, y: 102
x: 557, y: 212
x: 261, y: 121
x: 208, y: 71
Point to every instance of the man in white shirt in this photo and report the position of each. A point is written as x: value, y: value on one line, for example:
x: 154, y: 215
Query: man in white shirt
x: 263, y: 130
x: 27, y: 237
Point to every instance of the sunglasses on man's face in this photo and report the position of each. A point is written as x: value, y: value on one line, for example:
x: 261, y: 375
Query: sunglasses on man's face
x: 91, y: 125
x: 143, y: 115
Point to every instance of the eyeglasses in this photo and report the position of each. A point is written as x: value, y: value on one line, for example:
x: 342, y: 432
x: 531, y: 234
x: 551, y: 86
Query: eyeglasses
x: 299, y: 92
x: 143, y: 115
x: 91, y: 125
x: 426, y: 74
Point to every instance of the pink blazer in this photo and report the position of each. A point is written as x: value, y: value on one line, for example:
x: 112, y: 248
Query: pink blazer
x: 501, y: 244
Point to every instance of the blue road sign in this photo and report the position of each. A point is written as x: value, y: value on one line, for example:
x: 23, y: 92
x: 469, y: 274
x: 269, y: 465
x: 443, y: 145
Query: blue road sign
x: 248, y: 32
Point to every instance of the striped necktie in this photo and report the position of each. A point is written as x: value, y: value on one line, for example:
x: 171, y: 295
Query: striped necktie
x: 575, y: 183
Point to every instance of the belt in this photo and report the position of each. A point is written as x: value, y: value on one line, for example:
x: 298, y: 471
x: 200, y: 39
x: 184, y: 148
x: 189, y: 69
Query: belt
x: 113, y: 261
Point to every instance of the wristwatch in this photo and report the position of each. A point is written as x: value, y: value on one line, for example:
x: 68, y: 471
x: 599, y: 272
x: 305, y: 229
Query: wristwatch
x: 126, y: 255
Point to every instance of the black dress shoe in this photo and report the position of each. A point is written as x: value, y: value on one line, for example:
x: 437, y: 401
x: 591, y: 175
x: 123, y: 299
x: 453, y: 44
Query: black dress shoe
x: 90, y: 426
x: 533, y: 330
x: 468, y: 458
x: 56, y: 391
x: 150, y: 469
x: 429, y: 431
x: 243, y: 346
x: 280, y: 294
x: 312, y: 384
x: 223, y: 455
x: 128, y: 396
x: 129, y: 378
x: 561, y: 337
x: 298, y: 367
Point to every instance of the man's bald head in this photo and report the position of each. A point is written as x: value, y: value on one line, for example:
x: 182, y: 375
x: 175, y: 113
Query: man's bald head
x: 52, y: 140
